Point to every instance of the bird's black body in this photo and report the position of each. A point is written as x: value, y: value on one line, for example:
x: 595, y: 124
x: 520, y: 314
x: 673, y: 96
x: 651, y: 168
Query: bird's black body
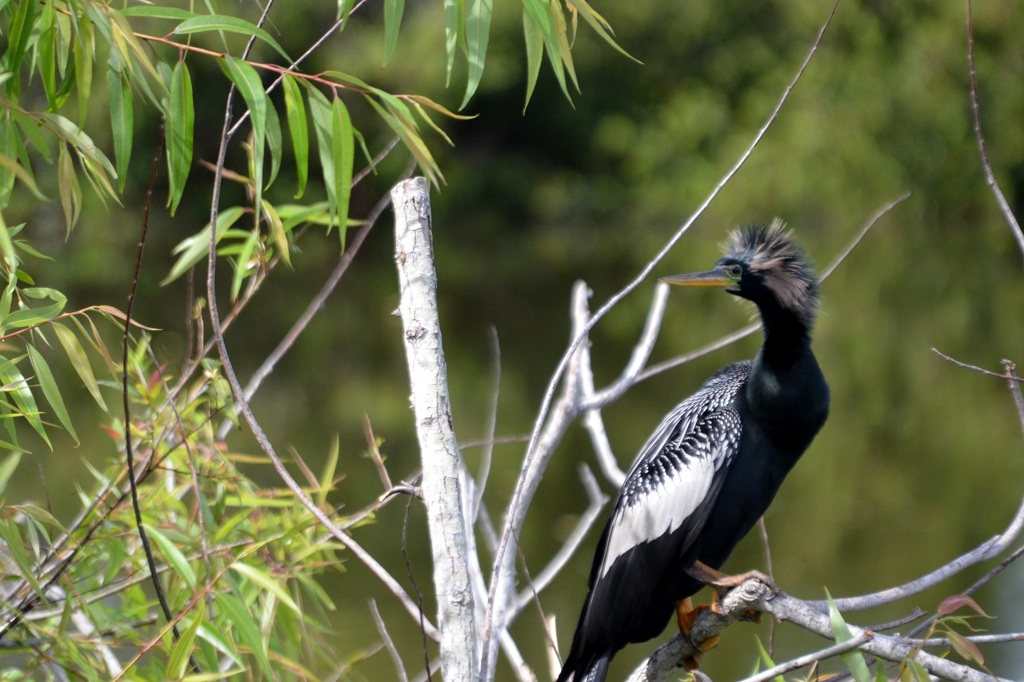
x: 713, y: 466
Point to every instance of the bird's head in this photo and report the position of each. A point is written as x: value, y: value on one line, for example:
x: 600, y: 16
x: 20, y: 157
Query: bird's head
x: 764, y: 265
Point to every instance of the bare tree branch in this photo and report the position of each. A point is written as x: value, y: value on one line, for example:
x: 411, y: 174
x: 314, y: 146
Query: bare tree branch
x: 990, y: 178
x: 537, y: 456
x: 443, y: 491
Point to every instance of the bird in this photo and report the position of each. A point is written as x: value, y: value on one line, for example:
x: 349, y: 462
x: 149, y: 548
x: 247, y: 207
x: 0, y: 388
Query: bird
x: 714, y: 464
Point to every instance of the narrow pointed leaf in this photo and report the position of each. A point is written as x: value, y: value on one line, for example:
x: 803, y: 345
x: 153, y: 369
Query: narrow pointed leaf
x: 955, y: 602
x: 17, y: 387
x: 452, y: 26
x: 122, y: 116
x: 50, y: 390
x: 180, y: 130
x: 534, y: 37
x: 251, y: 88
x: 230, y: 24
x: 393, y: 10
x: 343, y: 153
x: 246, y: 629
x: 965, y: 647
x: 194, y: 248
x: 68, y: 188
x: 277, y: 232
x: 178, y: 661
x: 478, y: 31
x: 80, y: 361
x: 853, y: 659
x: 174, y: 556
x: 298, y: 128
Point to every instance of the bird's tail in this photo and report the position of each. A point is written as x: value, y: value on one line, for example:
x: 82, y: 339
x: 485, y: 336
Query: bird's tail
x: 596, y: 671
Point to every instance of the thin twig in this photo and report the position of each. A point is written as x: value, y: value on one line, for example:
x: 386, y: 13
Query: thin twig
x: 808, y: 659
x: 126, y: 403
x: 990, y: 178
x: 389, y: 645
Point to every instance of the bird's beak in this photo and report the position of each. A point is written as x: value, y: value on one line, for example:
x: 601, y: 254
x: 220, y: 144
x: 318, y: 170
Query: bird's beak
x: 711, y: 278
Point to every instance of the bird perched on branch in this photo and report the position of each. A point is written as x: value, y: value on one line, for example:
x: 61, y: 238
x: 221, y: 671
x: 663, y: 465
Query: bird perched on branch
x: 713, y: 465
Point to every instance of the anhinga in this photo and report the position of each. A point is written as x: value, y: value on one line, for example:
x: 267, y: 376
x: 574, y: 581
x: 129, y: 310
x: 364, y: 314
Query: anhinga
x: 714, y: 464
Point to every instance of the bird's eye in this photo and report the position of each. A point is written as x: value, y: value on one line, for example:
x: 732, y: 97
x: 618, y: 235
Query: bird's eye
x: 735, y: 271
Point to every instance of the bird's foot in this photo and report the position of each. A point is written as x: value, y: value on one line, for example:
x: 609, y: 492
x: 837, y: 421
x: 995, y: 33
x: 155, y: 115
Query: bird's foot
x: 722, y: 583
x: 686, y: 616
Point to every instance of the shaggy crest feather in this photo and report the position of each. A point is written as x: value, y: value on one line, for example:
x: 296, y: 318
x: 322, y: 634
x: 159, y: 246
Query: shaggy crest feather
x: 773, y: 254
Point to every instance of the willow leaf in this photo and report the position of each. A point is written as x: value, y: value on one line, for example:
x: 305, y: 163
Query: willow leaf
x: 533, y: 34
x: 80, y: 361
x: 298, y: 128
x: 17, y: 386
x: 393, y: 10
x: 122, y: 116
x: 478, y: 30
x: 222, y: 22
x: 277, y: 232
x: 180, y: 126
x: 250, y: 86
x: 50, y: 390
x: 245, y: 627
x: 343, y: 153
x: 175, y: 557
x: 192, y: 249
x: 853, y: 658
x: 178, y: 662
x: 452, y: 26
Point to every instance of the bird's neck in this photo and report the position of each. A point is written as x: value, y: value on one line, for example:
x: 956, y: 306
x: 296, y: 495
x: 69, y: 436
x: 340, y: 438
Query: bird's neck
x: 787, y: 338
x: 786, y: 392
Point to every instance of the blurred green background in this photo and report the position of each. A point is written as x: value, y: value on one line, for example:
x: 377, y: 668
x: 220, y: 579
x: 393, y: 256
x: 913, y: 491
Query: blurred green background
x: 920, y: 460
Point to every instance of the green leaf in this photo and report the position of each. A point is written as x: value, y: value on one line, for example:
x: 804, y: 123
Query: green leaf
x: 769, y: 663
x: 534, y: 37
x: 15, y: 547
x: 967, y: 649
x: 277, y: 232
x: 158, y: 12
x: 47, y: 54
x: 68, y: 188
x: 122, y: 116
x: 175, y: 557
x: 330, y: 468
x: 478, y: 31
x: 266, y: 583
x: 17, y: 386
x: 250, y: 86
x: 84, y: 50
x: 8, y: 465
x: 343, y: 153
x: 853, y: 658
x: 194, y: 248
x: 243, y: 262
x: 452, y: 25
x: 298, y: 128
x: 393, y: 10
x: 180, y: 124
x: 275, y: 142
x: 29, y: 317
x: 50, y: 390
x: 247, y: 631
x: 600, y: 25
x: 21, y: 173
x: 178, y: 661
x: 220, y: 22
x: 335, y: 144
x: 19, y: 32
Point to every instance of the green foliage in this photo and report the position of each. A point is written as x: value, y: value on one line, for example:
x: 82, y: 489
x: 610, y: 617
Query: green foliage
x: 239, y: 561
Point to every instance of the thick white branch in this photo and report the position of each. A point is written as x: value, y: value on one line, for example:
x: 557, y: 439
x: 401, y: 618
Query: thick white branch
x: 428, y: 379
